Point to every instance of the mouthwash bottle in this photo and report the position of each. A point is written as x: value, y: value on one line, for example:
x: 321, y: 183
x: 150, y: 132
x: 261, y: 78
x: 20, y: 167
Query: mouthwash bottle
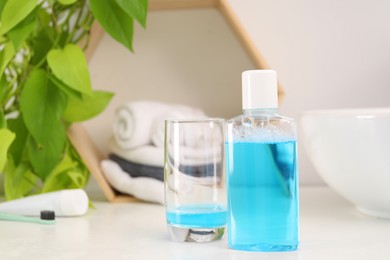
x: 261, y: 168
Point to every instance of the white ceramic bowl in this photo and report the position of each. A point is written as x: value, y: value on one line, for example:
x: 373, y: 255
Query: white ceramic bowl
x: 350, y: 149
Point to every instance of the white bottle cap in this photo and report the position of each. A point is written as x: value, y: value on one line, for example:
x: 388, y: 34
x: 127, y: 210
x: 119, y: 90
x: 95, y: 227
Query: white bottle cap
x: 259, y: 89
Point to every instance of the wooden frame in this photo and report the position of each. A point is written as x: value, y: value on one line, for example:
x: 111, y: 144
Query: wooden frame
x: 77, y: 134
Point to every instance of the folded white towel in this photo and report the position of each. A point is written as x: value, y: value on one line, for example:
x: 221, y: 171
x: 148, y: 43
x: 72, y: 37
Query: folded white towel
x: 135, y: 121
x: 143, y: 188
x: 146, y: 155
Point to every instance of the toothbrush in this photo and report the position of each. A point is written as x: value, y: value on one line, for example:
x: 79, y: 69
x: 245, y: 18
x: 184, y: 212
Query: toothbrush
x: 47, y: 217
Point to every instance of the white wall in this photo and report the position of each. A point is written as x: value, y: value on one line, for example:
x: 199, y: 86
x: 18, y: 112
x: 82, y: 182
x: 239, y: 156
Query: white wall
x: 328, y: 54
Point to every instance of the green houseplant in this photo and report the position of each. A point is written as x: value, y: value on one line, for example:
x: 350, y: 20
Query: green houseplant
x: 45, y: 86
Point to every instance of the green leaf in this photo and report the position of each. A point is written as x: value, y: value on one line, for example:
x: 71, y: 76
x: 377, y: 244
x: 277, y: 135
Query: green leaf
x: 6, y: 56
x: 42, y: 43
x: 67, y: 2
x: 65, y: 88
x: 114, y: 20
x: 53, y: 182
x: 135, y: 8
x: 2, y: 3
x: 20, y: 32
x: 77, y: 178
x: 19, y: 181
x: 3, y: 88
x: 90, y: 106
x: 18, y: 147
x: 42, y: 106
x: 69, y: 173
x: 6, y: 138
x: 70, y: 66
x: 46, y: 155
x: 65, y: 180
x: 3, y: 123
x: 14, y: 12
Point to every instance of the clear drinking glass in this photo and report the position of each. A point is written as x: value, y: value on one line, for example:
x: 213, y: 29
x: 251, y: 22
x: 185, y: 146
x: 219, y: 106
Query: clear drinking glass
x: 195, y: 193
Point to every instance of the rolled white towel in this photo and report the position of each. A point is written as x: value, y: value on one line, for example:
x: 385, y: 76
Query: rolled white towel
x: 133, y: 123
x: 147, y: 154
x: 147, y: 189
x: 176, y: 112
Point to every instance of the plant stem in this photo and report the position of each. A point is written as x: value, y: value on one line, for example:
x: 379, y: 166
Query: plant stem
x: 76, y: 25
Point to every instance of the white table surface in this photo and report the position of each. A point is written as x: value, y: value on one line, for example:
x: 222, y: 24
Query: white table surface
x: 331, y: 228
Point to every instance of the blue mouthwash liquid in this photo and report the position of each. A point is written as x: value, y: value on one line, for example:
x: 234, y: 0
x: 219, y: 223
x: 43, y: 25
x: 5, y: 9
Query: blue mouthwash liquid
x: 262, y: 196
x: 197, y: 216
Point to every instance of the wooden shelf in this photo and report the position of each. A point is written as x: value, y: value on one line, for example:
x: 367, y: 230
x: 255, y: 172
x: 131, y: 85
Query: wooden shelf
x: 92, y: 158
